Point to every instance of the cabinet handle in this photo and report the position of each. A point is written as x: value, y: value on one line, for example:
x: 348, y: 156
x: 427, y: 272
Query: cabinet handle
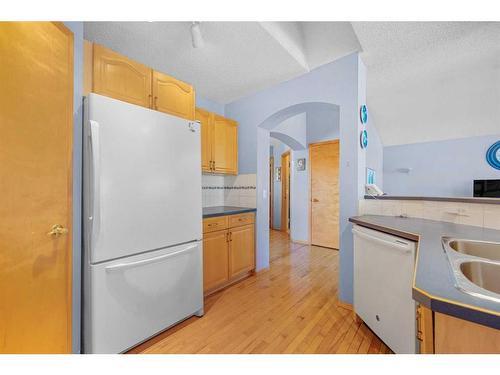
x: 213, y: 224
x: 230, y: 236
x: 419, y: 324
x: 227, y: 237
x: 150, y: 101
x: 156, y: 102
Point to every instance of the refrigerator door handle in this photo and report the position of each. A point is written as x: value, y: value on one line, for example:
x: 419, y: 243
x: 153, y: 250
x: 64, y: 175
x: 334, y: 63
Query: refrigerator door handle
x: 122, y: 266
x: 95, y: 190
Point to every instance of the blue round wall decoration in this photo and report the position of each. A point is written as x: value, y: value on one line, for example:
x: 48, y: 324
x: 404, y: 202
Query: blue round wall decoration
x: 493, y: 155
x: 363, y: 114
x: 363, y: 139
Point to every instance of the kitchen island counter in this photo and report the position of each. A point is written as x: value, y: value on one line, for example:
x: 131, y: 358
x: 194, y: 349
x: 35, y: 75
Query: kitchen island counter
x: 434, y: 283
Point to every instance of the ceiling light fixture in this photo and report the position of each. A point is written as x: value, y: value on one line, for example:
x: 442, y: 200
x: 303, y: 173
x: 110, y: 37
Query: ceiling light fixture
x: 196, y: 37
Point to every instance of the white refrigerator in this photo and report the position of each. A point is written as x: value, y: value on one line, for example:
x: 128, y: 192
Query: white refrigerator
x: 142, y: 261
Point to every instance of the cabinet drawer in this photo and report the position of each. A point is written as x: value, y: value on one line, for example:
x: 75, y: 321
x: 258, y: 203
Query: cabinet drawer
x: 213, y: 224
x: 241, y: 219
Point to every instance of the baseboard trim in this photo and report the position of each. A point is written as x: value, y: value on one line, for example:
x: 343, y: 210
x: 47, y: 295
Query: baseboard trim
x: 300, y: 242
x: 345, y: 305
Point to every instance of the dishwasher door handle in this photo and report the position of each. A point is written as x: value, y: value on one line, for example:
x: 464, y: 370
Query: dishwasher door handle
x: 397, y: 244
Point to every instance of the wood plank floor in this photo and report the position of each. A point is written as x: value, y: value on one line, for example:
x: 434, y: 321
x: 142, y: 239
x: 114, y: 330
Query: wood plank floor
x: 289, y: 308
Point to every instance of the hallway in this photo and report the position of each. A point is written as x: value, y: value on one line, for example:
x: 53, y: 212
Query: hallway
x: 289, y: 308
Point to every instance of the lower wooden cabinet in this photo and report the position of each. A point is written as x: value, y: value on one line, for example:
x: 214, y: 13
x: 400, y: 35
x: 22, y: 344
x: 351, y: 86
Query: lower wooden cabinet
x: 228, y: 250
x: 457, y: 336
x: 215, y: 259
x: 241, y: 250
x: 425, y: 329
x: 444, y: 334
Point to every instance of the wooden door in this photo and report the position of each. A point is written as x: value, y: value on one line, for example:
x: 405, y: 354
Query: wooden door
x: 173, y: 96
x: 215, y: 259
x: 285, y: 192
x: 36, y: 127
x: 225, y: 145
x: 204, y: 117
x: 324, y: 162
x: 120, y: 78
x: 241, y: 250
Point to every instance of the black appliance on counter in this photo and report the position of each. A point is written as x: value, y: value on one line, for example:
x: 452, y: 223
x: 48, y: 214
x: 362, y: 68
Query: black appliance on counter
x: 487, y: 188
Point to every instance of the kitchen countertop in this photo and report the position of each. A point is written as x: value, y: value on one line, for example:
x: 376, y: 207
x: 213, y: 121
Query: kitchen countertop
x: 434, y: 283
x: 436, y: 199
x: 225, y: 210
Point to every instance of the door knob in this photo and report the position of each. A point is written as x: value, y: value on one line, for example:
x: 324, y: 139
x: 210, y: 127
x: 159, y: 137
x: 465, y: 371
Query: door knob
x: 315, y: 200
x: 57, y: 230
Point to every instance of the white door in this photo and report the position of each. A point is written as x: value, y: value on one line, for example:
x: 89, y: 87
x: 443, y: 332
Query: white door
x: 383, y: 274
x: 131, y: 299
x: 143, y: 179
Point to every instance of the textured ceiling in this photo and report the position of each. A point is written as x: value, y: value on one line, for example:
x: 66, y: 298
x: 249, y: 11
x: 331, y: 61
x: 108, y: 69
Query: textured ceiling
x: 237, y: 58
x: 432, y: 80
x: 426, y: 80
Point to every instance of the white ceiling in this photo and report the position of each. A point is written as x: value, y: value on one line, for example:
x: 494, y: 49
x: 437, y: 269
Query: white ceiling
x: 432, y: 80
x: 426, y: 80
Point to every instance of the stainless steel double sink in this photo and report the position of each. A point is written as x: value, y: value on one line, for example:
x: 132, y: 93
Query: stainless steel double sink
x: 476, y: 266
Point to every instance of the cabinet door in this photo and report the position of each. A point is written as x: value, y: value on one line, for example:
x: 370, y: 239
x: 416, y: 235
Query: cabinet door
x: 173, y: 96
x: 120, y: 78
x: 225, y: 146
x: 204, y: 117
x: 215, y: 259
x: 241, y: 250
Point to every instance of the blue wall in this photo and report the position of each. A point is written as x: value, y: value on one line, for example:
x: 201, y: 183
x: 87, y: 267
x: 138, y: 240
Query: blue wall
x: 375, y: 153
x: 339, y: 83
x: 77, y: 29
x: 209, y: 105
x: 323, y: 125
x: 441, y: 168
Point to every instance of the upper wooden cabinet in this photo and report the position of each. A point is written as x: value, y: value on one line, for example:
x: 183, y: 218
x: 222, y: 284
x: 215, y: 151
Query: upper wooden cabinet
x: 173, y: 96
x: 219, y: 143
x: 109, y: 73
x: 118, y: 77
x: 204, y: 117
x: 225, y: 146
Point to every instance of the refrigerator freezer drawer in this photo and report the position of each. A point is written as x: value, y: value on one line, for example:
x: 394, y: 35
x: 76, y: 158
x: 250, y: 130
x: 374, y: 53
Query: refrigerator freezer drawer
x: 128, y: 300
x: 383, y: 274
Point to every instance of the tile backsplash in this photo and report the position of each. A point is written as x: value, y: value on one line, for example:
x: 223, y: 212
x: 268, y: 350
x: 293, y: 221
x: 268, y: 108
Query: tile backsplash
x: 229, y: 190
x: 476, y: 214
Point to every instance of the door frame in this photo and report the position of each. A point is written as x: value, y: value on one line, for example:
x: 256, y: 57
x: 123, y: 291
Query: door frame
x: 310, y: 184
x: 285, y: 211
x: 271, y: 192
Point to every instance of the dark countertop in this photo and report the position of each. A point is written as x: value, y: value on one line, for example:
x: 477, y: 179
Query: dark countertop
x: 434, y: 283
x: 437, y: 199
x: 225, y: 210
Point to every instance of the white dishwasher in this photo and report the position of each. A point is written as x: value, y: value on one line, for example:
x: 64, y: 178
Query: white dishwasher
x: 383, y: 275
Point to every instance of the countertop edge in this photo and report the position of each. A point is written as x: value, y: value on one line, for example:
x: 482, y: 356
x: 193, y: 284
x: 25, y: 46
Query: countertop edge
x: 436, y: 199
x: 241, y: 210
x: 435, y: 303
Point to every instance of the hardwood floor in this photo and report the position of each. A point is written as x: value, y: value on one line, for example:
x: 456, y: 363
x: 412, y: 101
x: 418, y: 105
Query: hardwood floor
x: 289, y: 308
